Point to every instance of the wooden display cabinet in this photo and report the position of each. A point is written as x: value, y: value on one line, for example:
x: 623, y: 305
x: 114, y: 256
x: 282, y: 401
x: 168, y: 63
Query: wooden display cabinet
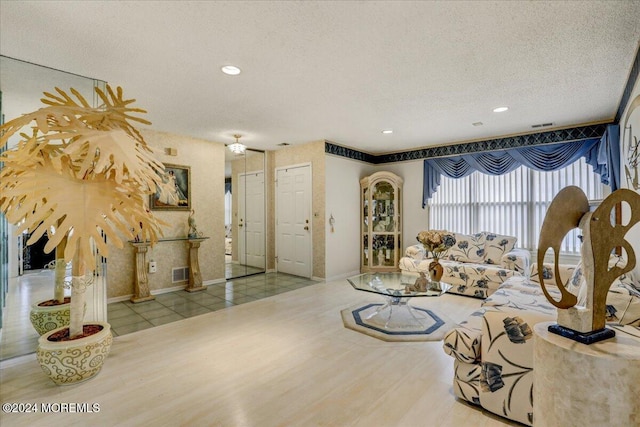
x: 381, y: 210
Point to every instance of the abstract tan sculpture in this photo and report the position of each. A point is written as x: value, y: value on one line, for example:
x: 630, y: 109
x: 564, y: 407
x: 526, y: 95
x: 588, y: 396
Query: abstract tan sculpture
x: 568, y: 210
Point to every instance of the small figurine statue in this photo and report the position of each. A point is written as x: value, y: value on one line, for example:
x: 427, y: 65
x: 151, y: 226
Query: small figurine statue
x: 419, y: 286
x: 193, y: 230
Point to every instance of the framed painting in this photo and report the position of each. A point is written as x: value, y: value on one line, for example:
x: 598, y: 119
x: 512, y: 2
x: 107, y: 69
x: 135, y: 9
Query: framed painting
x: 177, y: 194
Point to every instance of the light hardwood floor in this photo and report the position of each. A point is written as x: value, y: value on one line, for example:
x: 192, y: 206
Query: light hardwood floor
x: 285, y: 360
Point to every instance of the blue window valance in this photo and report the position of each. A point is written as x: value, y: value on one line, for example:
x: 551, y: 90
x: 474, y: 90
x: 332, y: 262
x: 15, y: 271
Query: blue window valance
x: 603, y: 154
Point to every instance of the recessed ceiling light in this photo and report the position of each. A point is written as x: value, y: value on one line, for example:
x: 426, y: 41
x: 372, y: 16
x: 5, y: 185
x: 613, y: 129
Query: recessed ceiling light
x: 387, y: 131
x: 231, y: 70
x: 500, y: 109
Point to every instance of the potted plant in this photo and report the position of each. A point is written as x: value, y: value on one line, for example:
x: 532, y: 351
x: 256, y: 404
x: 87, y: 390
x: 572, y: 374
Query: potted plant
x: 81, y: 174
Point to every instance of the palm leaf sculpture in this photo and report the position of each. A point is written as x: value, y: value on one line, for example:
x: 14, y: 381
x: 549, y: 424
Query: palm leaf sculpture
x: 82, y: 172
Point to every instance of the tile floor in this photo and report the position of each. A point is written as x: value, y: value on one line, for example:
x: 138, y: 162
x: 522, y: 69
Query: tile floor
x: 232, y: 270
x: 126, y: 317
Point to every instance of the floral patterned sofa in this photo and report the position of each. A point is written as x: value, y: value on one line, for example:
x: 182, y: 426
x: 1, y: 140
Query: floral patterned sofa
x: 476, y: 265
x: 493, y: 348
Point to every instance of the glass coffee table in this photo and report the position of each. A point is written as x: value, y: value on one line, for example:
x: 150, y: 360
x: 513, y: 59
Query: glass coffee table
x: 395, y: 315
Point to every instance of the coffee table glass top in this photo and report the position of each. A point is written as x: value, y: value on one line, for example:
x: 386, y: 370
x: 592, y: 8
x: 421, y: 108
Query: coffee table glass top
x: 393, y: 285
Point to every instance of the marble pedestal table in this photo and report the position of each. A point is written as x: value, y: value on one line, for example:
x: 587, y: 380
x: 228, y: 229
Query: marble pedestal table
x: 195, y: 276
x: 141, y: 290
x: 586, y: 385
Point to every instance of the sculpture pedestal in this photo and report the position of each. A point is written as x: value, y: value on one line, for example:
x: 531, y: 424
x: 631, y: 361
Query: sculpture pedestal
x: 590, y: 385
x: 195, y: 277
x: 141, y: 291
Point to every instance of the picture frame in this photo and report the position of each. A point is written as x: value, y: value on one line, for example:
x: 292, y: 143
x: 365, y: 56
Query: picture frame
x: 180, y: 200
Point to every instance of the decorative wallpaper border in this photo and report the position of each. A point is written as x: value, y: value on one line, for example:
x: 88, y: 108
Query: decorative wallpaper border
x: 549, y: 137
x: 349, y: 153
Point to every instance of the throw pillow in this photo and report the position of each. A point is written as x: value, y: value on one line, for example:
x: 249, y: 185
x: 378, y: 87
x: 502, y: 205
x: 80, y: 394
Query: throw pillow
x: 496, y: 246
x: 468, y: 248
x: 415, y: 252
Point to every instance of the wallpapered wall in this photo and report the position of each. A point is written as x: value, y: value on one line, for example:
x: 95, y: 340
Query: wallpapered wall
x: 206, y: 160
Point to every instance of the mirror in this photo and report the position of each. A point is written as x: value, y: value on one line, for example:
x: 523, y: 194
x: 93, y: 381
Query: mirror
x: 245, y: 219
x: 22, y: 280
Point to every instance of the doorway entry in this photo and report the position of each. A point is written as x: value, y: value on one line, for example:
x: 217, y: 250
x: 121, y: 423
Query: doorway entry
x: 293, y: 220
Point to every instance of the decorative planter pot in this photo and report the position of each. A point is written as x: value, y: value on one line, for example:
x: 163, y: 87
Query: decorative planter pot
x: 48, y: 318
x: 74, y: 361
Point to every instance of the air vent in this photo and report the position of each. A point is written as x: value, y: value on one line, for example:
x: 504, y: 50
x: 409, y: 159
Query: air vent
x: 542, y: 125
x: 179, y: 274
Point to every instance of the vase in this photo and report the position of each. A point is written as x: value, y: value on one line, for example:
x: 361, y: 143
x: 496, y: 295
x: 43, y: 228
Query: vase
x: 435, y: 270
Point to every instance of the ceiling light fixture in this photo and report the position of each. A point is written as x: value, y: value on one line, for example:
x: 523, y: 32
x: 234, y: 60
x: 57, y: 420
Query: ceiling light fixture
x: 231, y: 70
x: 387, y: 131
x: 236, y: 147
x: 500, y: 109
x: 477, y: 123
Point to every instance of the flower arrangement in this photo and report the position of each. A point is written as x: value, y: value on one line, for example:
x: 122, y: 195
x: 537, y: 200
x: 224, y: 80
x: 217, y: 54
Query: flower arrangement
x: 436, y: 241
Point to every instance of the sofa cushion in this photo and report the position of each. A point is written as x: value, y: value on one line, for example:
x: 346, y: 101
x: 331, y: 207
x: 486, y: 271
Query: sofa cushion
x: 496, y: 246
x: 468, y: 248
x: 517, y: 260
x: 548, y: 272
x: 521, y: 294
x: 477, y: 280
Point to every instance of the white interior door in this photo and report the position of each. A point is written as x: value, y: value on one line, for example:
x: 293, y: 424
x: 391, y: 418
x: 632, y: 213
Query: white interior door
x: 251, y: 227
x: 293, y: 220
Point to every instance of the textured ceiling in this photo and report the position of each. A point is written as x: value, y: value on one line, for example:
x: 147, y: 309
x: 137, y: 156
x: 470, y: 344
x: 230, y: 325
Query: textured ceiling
x: 342, y: 71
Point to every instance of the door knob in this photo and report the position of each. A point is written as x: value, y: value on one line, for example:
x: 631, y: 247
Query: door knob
x: 306, y: 227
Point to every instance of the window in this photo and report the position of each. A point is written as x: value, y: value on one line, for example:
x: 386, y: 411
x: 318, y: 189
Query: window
x: 513, y: 204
